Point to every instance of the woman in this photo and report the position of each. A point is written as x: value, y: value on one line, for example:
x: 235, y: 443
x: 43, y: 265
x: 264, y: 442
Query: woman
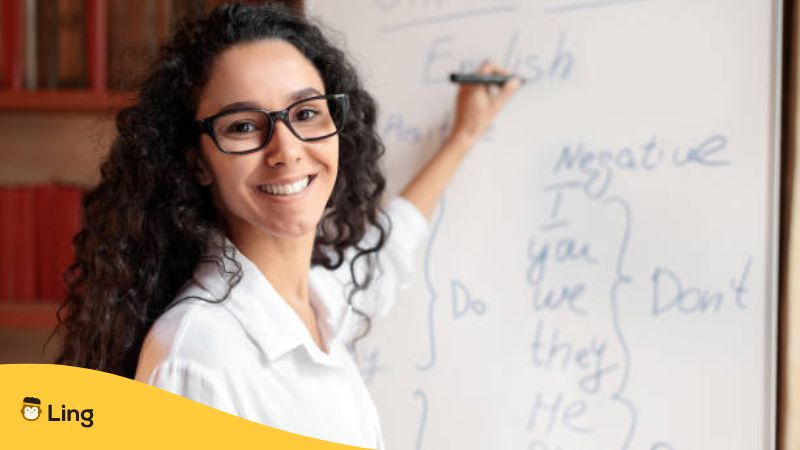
x: 235, y: 246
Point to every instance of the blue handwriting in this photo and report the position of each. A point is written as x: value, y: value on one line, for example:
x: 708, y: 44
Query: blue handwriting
x: 555, y: 353
x: 599, y: 166
x: 670, y: 294
x: 463, y: 302
x: 441, y: 59
x: 547, y: 414
x: 563, y: 250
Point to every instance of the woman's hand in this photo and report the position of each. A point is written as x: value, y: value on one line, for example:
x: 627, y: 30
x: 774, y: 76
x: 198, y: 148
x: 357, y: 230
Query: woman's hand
x: 476, y: 108
x: 477, y: 105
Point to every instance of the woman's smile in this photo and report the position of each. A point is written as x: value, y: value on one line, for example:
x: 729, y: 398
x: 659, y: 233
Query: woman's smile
x: 290, y: 191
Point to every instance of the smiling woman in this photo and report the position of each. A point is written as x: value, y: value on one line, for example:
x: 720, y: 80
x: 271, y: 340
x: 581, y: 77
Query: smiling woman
x: 236, y: 245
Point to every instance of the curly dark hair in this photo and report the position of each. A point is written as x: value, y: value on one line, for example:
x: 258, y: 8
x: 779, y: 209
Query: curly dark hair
x: 147, y: 223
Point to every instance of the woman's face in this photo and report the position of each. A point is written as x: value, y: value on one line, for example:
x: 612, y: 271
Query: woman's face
x: 269, y: 75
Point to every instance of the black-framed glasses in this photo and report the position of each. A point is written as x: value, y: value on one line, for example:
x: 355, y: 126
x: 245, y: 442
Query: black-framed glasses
x: 249, y: 130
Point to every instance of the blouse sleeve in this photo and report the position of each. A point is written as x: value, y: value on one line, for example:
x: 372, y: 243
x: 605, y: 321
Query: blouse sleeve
x: 192, y: 381
x: 397, y: 259
x: 409, y: 229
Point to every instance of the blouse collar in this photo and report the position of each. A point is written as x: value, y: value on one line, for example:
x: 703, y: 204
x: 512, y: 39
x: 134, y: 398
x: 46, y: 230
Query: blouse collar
x: 265, y: 316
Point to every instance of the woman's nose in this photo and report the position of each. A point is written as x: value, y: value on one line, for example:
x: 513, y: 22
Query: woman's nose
x: 283, y: 147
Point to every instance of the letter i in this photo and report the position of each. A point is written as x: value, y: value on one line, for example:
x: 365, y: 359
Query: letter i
x: 556, y: 206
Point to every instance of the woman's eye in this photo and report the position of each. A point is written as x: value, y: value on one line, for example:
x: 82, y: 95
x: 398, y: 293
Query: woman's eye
x: 305, y: 114
x: 241, y: 127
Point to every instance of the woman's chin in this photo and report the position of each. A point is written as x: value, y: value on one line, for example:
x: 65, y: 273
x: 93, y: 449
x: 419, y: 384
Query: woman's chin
x: 297, y: 229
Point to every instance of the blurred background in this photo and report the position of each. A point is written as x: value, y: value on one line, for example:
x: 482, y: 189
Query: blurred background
x: 66, y: 67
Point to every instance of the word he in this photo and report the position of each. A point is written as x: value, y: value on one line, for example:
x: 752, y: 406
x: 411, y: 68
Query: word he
x: 599, y: 166
x: 68, y: 415
x: 555, y: 353
x: 669, y: 293
x: 547, y: 415
x: 442, y: 59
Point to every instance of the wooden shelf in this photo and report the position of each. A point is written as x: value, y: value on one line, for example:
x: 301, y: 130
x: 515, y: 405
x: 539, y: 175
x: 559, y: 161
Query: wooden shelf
x: 28, y: 315
x: 65, y: 100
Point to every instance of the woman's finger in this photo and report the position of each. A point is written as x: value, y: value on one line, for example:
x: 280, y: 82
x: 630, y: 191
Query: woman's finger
x: 509, y: 88
x: 489, y: 68
x: 498, y: 95
x: 485, y: 68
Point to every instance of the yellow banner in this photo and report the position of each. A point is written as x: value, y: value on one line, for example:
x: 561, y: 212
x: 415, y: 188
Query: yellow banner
x: 55, y: 406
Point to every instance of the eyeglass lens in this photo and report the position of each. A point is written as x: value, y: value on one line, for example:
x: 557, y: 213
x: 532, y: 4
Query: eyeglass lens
x: 248, y: 130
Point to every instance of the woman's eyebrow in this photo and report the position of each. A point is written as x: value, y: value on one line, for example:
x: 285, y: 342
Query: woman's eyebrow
x: 235, y: 106
x: 248, y: 104
x: 304, y: 93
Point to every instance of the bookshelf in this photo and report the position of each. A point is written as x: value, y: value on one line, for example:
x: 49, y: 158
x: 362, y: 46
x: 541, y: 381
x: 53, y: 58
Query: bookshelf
x: 20, y: 90
x: 108, y: 44
x: 16, y: 314
x: 84, y: 55
x: 64, y: 100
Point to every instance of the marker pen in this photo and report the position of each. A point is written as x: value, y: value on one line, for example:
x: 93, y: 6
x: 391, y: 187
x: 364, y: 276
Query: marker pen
x: 476, y: 78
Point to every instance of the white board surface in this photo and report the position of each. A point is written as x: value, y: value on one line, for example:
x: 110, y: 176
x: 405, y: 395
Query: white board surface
x: 600, y: 273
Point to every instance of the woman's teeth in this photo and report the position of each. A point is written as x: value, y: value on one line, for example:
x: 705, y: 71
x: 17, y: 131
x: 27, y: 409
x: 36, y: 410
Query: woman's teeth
x: 285, y: 189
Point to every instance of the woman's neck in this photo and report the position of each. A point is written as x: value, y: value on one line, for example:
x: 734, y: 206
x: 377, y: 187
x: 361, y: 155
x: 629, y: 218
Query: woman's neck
x: 284, y: 262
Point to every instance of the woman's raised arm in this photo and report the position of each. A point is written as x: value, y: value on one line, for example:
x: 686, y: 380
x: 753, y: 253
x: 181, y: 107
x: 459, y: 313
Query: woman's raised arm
x: 476, y: 108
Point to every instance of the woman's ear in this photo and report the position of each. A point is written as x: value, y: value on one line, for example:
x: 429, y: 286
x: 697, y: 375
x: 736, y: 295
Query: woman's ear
x: 198, y: 165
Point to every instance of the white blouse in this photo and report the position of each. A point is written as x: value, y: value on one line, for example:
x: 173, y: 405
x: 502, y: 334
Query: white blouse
x: 252, y: 356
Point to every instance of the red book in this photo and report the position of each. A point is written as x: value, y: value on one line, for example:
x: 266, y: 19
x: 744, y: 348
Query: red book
x: 14, y: 43
x: 97, y: 42
x: 25, y: 250
x: 46, y: 277
x: 6, y: 242
x: 71, y: 43
x: 4, y: 50
x: 65, y: 225
x: 47, y: 44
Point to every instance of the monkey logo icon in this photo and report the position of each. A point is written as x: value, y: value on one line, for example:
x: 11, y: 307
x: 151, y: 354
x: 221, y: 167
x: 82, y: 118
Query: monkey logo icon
x: 31, y: 408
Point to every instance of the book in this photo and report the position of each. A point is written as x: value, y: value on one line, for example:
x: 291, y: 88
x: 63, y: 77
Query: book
x: 66, y: 225
x: 13, y: 19
x: 133, y: 41
x: 7, y: 201
x: 61, y: 50
x: 5, y: 52
x: 17, y: 278
x: 31, y: 73
x: 24, y: 253
x: 71, y: 44
x: 47, y: 44
x: 47, y: 280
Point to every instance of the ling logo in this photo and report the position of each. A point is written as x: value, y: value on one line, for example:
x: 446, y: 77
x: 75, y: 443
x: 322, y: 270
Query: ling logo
x: 32, y: 409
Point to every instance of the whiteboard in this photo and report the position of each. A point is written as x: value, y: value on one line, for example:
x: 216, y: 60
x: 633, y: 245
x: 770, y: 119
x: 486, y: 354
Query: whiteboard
x: 601, y: 272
